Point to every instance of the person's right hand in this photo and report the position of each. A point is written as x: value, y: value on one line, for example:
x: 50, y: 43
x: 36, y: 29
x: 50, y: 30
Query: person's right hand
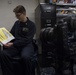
x: 7, y: 45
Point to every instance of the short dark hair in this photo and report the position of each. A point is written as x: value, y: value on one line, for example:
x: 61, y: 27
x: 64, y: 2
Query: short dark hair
x: 19, y: 9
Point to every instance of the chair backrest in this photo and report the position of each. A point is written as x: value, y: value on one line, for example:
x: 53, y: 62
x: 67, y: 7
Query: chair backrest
x: 35, y: 45
x: 35, y: 50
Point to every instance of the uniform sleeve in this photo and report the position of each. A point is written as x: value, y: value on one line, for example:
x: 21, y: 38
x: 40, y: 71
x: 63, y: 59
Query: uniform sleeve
x: 27, y: 39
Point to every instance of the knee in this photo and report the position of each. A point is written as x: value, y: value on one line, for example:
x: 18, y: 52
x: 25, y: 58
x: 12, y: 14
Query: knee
x: 25, y: 57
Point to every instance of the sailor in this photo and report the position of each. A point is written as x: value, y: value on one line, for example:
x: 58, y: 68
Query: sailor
x: 23, y: 31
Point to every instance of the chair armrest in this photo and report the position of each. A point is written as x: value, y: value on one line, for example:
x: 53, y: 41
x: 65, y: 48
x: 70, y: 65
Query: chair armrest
x: 1, y: 46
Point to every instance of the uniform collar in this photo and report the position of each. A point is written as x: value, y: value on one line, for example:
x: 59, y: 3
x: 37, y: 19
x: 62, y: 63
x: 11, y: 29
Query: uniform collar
x: 24, y: 22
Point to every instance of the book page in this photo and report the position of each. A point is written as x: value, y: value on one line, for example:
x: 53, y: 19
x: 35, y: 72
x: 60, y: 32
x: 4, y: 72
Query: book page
x: 5, y: 35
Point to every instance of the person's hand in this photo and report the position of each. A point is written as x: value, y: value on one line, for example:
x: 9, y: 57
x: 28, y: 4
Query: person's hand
x: 7, y: 45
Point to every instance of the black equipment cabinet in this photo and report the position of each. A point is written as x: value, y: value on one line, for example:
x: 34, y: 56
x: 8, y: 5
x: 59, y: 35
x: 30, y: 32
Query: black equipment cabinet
x: 45, y: 16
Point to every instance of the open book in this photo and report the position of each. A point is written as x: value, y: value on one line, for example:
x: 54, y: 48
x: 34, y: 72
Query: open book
x: 5, y: 36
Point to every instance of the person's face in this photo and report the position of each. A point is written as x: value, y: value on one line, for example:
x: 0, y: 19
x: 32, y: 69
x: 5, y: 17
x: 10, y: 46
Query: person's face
x: 20, y: 16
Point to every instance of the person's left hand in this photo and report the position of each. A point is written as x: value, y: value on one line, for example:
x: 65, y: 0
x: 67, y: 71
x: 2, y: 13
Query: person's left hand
x: 8, y: 44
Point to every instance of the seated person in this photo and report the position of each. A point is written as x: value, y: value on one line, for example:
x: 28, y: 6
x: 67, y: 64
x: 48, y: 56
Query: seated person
x: 23, y: 31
